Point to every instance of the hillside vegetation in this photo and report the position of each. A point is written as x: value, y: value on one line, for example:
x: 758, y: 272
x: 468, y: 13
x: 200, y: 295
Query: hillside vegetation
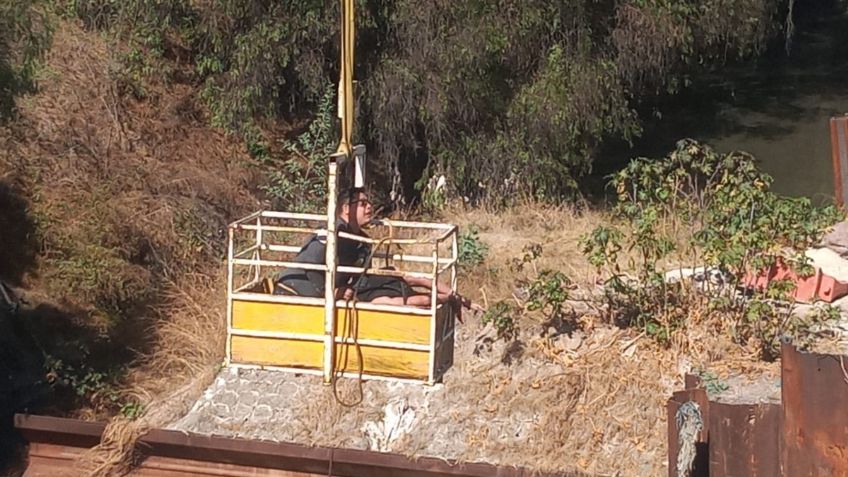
x: 133, y: 131
x: 513, y: 96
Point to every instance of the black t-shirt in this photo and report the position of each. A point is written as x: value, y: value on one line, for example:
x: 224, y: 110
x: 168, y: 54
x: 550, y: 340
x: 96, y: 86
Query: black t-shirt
x: 351, y: 253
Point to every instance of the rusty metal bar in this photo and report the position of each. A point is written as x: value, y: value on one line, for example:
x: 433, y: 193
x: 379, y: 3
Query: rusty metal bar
x: 188, y: 451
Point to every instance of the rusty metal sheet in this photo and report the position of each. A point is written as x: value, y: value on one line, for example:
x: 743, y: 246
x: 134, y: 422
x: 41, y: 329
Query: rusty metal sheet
x: 166, y: 453
x: 815, y: 422
x: 745, y: 439
x: 839, y: 146
x: 700, y: 467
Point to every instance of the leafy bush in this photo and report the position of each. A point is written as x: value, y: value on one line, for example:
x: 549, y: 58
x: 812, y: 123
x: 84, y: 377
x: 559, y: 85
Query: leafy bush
x: 502, y: 316
x: 705, y: 209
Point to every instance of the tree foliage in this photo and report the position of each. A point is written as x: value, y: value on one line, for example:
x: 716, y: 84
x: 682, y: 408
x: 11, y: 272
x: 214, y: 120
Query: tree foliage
x: 505, y: 97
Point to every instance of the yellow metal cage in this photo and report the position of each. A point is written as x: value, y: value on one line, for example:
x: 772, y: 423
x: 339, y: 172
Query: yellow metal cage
x: 367, y: 340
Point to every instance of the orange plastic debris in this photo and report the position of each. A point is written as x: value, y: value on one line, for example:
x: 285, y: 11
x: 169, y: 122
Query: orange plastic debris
x: 819, y: 286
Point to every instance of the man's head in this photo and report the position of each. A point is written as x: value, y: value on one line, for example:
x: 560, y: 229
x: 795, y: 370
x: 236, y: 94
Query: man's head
x: 355, y: 208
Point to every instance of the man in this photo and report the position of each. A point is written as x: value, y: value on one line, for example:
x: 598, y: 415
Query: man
x: 355, y: 211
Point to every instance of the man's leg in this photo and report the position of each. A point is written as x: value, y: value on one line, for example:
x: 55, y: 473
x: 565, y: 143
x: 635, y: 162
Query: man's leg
x: 414, y: 300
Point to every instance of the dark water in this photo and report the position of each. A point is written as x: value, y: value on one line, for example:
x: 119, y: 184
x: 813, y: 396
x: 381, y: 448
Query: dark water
x: 777, y: 108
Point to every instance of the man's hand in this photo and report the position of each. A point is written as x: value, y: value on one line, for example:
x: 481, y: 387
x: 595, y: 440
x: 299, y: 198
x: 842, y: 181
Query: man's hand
x: 465, y: 302
x: 345, y: 293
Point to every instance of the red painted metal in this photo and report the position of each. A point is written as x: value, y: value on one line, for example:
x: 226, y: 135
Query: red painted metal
x: 815, y: 421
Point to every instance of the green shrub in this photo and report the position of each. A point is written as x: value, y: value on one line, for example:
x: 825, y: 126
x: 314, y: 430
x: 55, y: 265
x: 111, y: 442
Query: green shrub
x: 472, y: 250
x: 505, y: 105
x: 705, y: 209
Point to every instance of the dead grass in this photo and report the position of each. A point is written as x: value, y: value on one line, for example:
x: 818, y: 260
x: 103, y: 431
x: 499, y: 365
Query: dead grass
x: 507, y: 232
x: 131, y: 201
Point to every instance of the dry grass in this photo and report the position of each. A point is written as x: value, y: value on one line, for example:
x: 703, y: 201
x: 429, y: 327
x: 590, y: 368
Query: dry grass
x: 131, y: 199
x: 507, y: 232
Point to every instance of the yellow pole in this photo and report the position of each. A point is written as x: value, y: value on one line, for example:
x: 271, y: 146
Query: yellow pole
x: 346, y: 113
x: 344, y: 151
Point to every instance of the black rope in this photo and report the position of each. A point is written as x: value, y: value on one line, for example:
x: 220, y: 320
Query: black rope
x: 352, y: 322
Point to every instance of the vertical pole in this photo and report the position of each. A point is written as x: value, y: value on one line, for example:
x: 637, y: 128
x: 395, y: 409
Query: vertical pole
x: 454, y: 257
x: 330, y: 260
x: 431, y: 378
x: 346, y: 76
x: 258, y: 252
x: 228, y: 357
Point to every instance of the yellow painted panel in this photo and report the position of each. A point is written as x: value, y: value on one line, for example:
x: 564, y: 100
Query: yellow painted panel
x: 283, y: 317
x: 277, y: 352
x: 309, y: 319
x: 383, y: 361
x: 384, y: 326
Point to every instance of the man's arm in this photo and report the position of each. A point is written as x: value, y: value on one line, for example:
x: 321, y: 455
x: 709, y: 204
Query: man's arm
x: 441, y: 287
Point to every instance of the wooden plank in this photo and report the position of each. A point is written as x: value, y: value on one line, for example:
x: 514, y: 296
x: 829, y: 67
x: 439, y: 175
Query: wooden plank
x: 157, y: 466
x: 51, y: 460
x: 278, y: 352
x: 290, y: 318
x: 383, y: 361
x: 308, y: 320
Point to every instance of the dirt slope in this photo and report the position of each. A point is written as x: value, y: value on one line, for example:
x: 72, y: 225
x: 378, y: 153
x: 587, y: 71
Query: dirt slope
x: 114, y: 212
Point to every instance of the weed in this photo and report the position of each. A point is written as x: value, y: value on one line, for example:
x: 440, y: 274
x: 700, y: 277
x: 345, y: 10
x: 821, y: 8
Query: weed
x: 472, y: 250
x: 712, y: 383
x: 548, y: 293
x: 502, y: 316
x: 132, y: 409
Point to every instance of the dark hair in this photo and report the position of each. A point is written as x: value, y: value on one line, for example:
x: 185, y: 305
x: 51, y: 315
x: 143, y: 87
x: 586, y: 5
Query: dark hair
x: 347, y: 195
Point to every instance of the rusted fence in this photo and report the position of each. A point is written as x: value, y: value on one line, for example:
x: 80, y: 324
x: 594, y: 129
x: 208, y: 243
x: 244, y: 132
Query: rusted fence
x: 806, y: 434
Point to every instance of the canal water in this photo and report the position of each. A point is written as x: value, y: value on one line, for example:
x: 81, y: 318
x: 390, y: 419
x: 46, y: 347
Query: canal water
x: 777, y: 108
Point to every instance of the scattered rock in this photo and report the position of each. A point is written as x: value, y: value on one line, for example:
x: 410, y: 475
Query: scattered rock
x: 837, y: 239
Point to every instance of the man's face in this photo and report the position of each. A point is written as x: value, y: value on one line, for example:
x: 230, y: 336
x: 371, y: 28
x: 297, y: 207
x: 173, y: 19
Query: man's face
x: 360, y: 209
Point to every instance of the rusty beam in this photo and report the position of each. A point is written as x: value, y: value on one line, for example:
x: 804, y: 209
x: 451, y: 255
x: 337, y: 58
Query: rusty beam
x: 191, y: 451
x: 815, y: 424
